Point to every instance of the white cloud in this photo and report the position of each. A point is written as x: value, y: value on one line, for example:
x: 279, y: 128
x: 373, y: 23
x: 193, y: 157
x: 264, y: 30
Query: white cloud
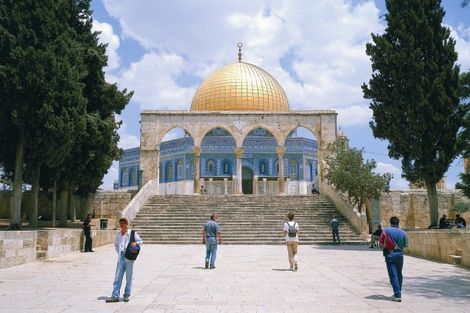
x: 462, y: 38
x: 354, y: 115
x: 153, y: 80
x: 126, y: 140
x: 397, y: 181
x: 108, y: 37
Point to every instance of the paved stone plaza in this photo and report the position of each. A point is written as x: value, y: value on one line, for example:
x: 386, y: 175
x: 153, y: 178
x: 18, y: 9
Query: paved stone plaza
x: 247, y: 279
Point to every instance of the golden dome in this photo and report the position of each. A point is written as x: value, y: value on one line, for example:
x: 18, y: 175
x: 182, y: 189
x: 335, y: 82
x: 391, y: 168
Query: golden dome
x: 240, y: 87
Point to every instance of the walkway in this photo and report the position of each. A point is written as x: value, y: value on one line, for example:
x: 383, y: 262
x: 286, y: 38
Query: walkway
x: 247, y: 279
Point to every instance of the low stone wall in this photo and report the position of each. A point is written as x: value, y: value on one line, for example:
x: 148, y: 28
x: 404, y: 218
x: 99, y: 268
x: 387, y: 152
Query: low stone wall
x: 56, y: 242
x: 439, y: 244
x: 412, y: 206
x: 17, y: 247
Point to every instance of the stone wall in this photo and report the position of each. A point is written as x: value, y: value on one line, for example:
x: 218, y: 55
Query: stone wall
x: 17, y: 247
x: 411, y: 206
x: 104, y: 204
x: 56, y: 242
x: 439, y: 244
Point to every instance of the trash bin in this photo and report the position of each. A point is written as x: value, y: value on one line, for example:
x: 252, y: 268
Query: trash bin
x: 103, y: 223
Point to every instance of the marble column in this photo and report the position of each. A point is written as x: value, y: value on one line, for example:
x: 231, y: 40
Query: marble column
x: 255, y: 184
x: 281, y: 151
x: 466, y: 165
x: 197, y: 158
x: 239, y: 153
x: 225, y: 186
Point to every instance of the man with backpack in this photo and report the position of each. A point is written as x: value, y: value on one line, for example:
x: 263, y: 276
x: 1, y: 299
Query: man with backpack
x: 394, y: 240
x: 127, y: 245
x: 291, y: 233
x: 334, y: 223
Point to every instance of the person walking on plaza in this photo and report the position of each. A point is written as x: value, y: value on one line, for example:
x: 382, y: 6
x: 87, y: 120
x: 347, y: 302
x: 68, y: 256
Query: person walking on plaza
x: 210, y: 236
x: 334, y: 223
x: 291, y: 233
x: 375, y: 236
x: 87, y: 232
x: 126, y: 239
x: 394, y: 240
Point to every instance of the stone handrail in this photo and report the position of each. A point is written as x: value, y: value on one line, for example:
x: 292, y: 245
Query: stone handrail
x: 356, y: 219
x: 139, y: 200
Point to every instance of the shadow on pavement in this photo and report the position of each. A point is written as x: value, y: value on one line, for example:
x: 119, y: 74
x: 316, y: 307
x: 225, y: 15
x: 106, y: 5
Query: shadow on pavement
x: 199, y: 268
x: 378, y: 297
x: 102, y: 298
x: 355, y: 247
x: 281, y: 269
x: 450, y: 286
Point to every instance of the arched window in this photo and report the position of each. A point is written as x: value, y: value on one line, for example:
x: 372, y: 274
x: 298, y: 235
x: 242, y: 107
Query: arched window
x: 276, y: 167
x: 169, y: 172
x: 133, y: 177
x: 263, y: 167
x: 124, y: 177
x: 211, y: 168
x: 179, y: 169
x: 227, y: 167
x: 294, y: 169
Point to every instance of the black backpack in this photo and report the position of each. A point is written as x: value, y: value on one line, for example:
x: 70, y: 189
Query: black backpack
x: 132, y: 252
x: 292, y: 232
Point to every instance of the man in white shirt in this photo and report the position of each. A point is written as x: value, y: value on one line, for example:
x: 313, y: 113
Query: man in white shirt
x: 124, y: 265
x: 291, y: 233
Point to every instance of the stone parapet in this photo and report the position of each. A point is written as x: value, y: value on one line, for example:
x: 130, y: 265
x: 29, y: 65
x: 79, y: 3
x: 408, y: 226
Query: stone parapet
x: 17, y: 247
x: 438, y: 245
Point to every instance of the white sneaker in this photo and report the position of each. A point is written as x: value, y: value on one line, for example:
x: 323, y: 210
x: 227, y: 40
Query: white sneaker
x: 395, y: 299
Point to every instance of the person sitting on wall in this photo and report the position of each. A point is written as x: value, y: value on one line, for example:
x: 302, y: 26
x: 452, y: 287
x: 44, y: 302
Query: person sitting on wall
x: 460, y: 222
x: 314, y: 190
x: 374, y: 240
x: 443, y: 223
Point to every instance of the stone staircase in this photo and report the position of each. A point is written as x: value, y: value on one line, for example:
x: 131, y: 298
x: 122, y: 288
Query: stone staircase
x: 244, y: 219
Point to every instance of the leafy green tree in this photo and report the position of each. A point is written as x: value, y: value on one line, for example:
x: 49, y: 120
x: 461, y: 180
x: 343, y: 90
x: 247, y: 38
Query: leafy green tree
x: 415, y: 92
x: 37, y: 69
x: 464, y: 136
x: 350, y: 174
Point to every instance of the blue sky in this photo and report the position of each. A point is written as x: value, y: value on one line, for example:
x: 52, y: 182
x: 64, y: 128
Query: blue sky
x: 316, y: 49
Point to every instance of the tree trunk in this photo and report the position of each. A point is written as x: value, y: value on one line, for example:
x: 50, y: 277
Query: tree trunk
x: 33, y: 218
x: 63, y: 206
x: 54, y: 203
x: 433, y: 204
x: 71, y: 208
x: 15, y: 216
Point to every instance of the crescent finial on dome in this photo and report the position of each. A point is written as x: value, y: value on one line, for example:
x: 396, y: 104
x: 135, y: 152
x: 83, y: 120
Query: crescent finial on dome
x: 240, y: 46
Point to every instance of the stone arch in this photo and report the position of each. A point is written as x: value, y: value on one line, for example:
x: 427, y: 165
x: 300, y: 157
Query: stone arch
x: 289, y: 130
x: 166, y: 130
x: 210, y: 128
x: 248, y: 130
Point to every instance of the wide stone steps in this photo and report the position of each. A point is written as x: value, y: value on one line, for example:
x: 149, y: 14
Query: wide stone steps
x: 244, y: 219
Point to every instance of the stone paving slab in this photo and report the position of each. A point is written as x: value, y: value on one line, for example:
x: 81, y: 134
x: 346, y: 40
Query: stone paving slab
x: 247, y: 279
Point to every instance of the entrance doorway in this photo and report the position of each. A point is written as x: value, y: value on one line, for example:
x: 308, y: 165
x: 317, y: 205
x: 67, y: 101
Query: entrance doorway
x: 247, y: 181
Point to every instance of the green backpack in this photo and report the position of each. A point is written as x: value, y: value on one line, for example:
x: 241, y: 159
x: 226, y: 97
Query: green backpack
x: 292, y: 232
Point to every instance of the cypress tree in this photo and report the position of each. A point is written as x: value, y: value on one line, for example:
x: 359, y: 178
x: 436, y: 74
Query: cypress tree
x: 414, y: 92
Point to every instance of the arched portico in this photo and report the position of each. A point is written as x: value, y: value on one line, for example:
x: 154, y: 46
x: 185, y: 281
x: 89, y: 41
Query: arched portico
x: 155, y: 124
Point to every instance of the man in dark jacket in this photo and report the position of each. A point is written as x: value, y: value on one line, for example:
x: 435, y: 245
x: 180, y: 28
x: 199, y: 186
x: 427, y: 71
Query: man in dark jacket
x: 87, y: 231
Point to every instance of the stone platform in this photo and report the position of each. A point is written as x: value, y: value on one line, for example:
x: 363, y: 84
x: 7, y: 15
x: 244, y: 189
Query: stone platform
x: 247, y: 279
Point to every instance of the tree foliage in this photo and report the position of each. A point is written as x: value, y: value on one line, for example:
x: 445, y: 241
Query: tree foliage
x: 414, y: 92
x: 350, y: 174
x: 464, y: 136
x: 56, y: 109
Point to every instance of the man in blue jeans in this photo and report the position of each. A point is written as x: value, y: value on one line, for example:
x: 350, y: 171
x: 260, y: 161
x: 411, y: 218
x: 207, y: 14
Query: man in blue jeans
x: 210, y: 237
x: 124, y: 265
x: 394, y: 240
